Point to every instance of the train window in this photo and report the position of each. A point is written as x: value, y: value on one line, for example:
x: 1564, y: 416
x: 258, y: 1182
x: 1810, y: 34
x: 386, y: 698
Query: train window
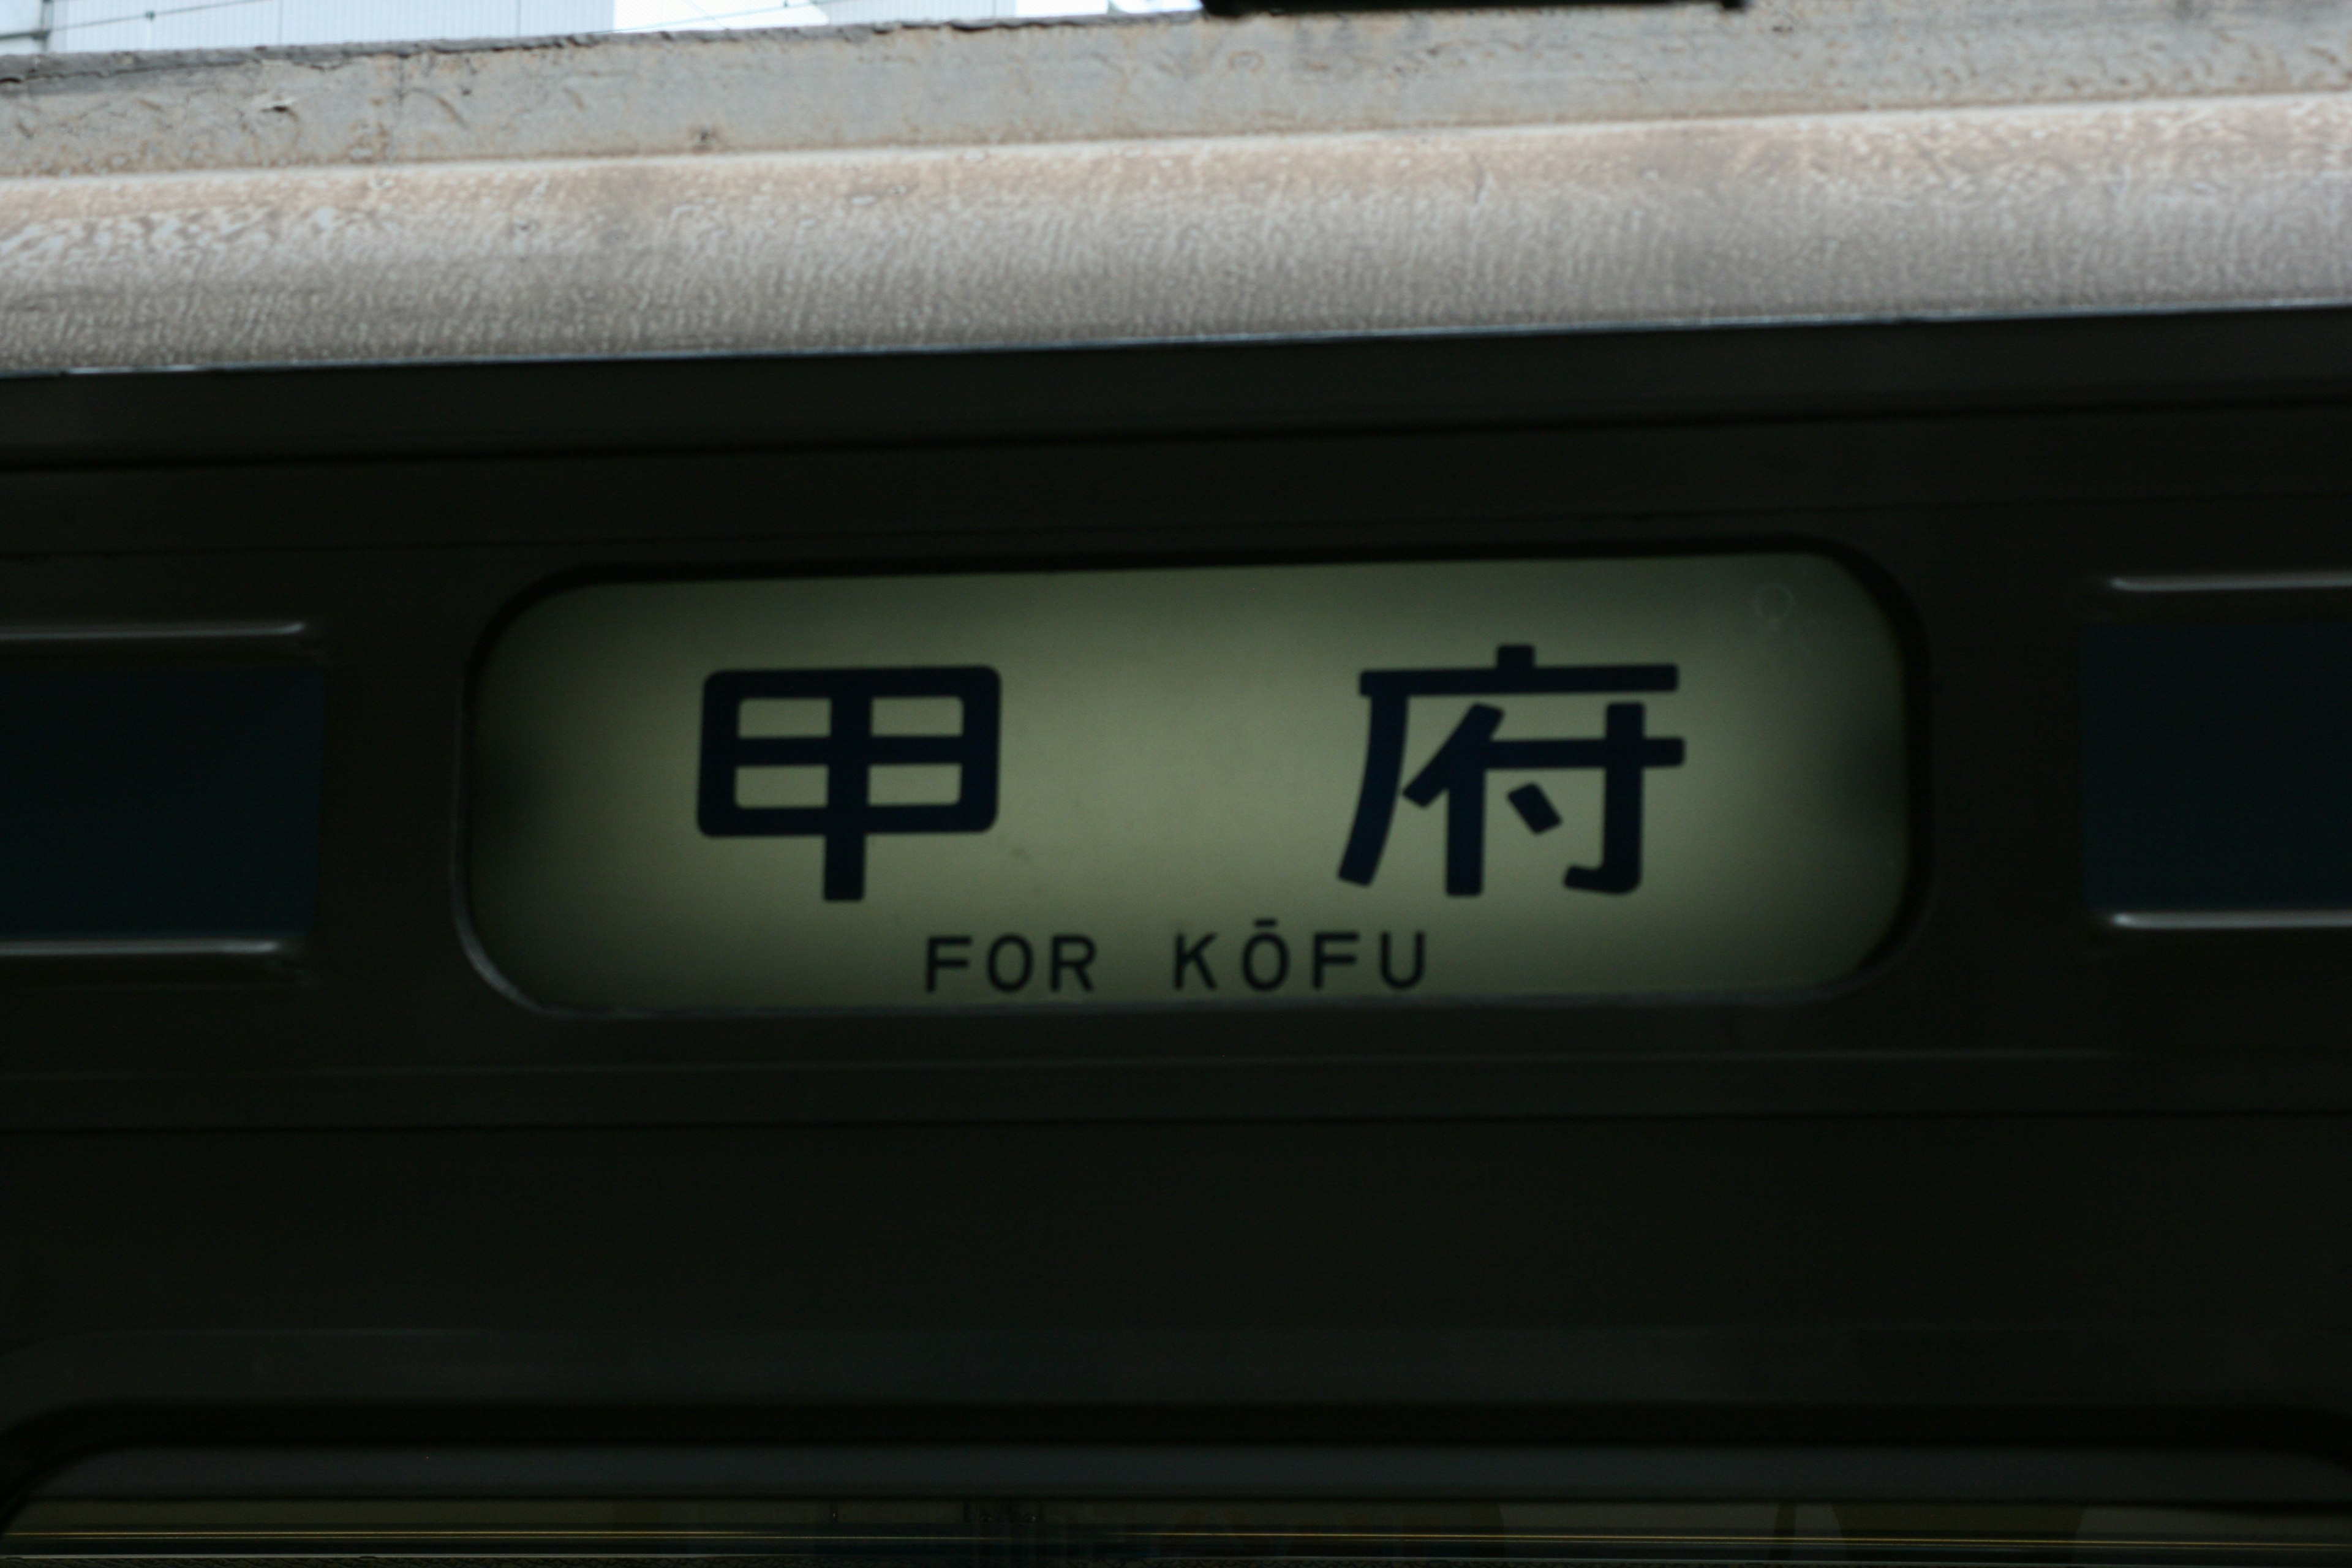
x: 2216, y: 761
x: 1339, y: 782
x: 819, y: 1533
x: 157, y: 807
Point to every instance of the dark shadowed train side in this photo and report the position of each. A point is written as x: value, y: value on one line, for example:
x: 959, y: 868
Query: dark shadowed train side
x: 1539, y: 784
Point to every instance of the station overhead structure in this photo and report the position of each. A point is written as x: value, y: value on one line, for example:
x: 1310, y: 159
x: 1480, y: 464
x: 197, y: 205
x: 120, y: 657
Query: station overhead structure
x: 92, y: 26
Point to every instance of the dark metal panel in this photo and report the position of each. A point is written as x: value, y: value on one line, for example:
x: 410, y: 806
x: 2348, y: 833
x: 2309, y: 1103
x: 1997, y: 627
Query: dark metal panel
x: 1391, y: 1470
x: 1995, y: 502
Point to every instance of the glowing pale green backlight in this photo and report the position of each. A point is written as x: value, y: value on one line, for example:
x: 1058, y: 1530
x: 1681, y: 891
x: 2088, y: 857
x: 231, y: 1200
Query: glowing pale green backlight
x: 1717, y: 802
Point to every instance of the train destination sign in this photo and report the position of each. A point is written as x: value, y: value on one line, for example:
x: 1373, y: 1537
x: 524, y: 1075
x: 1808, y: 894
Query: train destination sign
x: 1199, y: 786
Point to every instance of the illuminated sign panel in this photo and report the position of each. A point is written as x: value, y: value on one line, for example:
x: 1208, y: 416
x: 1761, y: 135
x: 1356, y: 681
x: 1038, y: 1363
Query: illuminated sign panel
x: 1191, y: 786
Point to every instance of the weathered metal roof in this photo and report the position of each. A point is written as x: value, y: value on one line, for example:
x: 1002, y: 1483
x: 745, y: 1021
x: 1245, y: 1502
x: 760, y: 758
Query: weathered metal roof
x: 930, y: 186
